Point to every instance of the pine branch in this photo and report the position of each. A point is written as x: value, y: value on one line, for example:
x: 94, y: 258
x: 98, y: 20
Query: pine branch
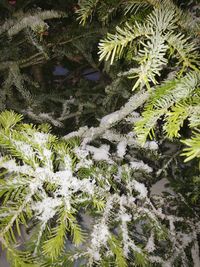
x: 175, y: 117
x: 113, y: 46
x: 186, y: 51
x: 193, y: 149
x: 110, y: 120
x: 34, y: 21
x: 164, y: 17
x: 14, y: 217
x: 151, y: 60
x: 8, y: 119
x: 133, y: 6
x: 176, y: 92
x: 55, y: 244
x: 115, y: 246
x: 86, y: 10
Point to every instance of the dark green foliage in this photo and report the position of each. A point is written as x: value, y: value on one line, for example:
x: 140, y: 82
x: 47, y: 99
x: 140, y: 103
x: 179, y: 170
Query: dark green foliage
x: 86, y: 198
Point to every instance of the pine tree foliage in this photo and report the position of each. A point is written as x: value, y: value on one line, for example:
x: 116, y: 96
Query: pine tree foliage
x: 193, y: 149
x: 86, y: 10
x: 85, y: 199
x: 52, y: 183
x: 177, y: 100
x: 156, y: 43
x: 133, y: 5
x: 37, y: 41
x: 154, y: 40
x: 34, y: 21
x: 104, y: 11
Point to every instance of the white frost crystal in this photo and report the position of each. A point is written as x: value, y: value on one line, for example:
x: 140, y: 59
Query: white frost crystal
x: 140, y: 165
x: 151, y: 145
x: 40, y: 138
x: 110, y: 118
x: 44, y: 174
x: 11, y: 166
x: 121, y: 148
x: 99, y: 153
x: 140, y: 188
x: 24, y: 148
x: 46, y: 208
x: 99, y: 238
x: 150, y: 246
x: 82, y: 155
x: 47, y: 153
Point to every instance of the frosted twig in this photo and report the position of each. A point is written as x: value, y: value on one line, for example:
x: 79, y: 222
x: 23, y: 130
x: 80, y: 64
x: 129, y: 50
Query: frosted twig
x: 112, y: 119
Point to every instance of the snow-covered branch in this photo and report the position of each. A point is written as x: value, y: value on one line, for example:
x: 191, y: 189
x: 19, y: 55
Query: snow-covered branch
x: 108, y: 121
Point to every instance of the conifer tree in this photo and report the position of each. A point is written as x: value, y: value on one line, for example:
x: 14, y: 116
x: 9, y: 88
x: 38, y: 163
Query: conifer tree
x: 99, y: 101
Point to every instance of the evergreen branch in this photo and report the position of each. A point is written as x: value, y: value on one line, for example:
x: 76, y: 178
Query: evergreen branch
x: 160, y: 92
x: 133, y: 6
x: 18, y: 148
x: 21, y: 259
x: 75, y: 230
x: 34, y: 21
x: 9, y: 119
x: 18, y: 258
x: 175, y: 91
x: 114, y: 44
x: 184, y: 88
x: 17, y: 79
x: 174, y: 120
x: 86, y: 10
x: 163, y: 98
x: 193, y: 149
x: 110, y: 120
x: 141, y: 259
x: 175, y: 117
x: 117, y: 250
x: 14, y: 187
x: 186, y: 51
x: 163, y: 18
x: 42, y: 117
x: 151, y: 60
x: 107, y: 10
x: 16, y: 215
x: 55, y: 243
x: 194, y: 117
x: 145, y: 126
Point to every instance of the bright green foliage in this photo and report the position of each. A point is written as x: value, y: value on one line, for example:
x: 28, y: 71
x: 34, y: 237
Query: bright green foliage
x: 86, y: 201
x: 51, y: 184
x: 40, y: 183
x: 155, y: 41
x: 8, y: 119
x: 141, y: 260
x: 185, y: 51
x: 176, y: 100
x: 34, y: 154
x: 115, y: 247
x: 55, y: 244
x: 193, y: 149
x: 112, y: 47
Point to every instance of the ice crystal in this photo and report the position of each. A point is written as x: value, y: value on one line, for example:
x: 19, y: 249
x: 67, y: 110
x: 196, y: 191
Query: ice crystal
x: 46, y: 209
x: 121, y: 149
x: 140, y: 165
x: 100, y: 153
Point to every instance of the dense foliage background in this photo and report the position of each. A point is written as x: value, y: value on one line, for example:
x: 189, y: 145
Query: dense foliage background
x: 100, y: 102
